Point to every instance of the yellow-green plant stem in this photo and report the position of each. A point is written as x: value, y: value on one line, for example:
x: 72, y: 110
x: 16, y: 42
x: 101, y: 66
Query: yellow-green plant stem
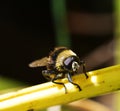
x: 101, y: 81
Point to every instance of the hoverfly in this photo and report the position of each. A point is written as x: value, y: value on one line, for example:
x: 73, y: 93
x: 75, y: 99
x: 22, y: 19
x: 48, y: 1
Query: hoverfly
x: 61, y: 62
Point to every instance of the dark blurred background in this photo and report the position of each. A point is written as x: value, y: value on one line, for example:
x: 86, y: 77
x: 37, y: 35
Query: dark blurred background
x: 28, y: 32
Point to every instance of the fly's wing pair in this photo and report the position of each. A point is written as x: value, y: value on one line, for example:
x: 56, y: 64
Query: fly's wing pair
x: 39, y: 62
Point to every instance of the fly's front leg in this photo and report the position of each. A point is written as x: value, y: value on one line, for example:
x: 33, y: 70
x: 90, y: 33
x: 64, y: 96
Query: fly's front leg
x: 82, y: 63
x: 70, y: 80
x: 59, y: 76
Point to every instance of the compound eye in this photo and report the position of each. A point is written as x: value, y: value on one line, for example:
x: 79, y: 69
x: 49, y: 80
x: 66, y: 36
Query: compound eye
x: 71, y: 63
x: 68, y: 63
x: 75, y: 66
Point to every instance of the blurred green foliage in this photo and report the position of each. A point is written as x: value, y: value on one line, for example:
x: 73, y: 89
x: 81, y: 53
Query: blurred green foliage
x: 7, y: 83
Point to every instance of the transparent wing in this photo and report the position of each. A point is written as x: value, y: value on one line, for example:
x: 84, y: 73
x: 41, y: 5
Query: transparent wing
x: 39, y: 62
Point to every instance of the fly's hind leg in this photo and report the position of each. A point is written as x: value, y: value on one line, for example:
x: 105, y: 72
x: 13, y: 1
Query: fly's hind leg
x: 59, y: 76
x: 47, y: 74
x: 70, y: 80
x: 84, y: 69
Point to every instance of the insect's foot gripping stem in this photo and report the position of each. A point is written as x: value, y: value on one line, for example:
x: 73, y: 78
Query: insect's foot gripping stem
x: 86, y: 76
x: 84, y: 69
x: 85, y: 73
x: 65, y: 88
x: 77, y: 86
x: 70, y: 80
x: 60, y: 83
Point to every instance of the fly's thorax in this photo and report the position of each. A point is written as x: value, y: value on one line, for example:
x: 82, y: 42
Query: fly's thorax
x: 61, y: 57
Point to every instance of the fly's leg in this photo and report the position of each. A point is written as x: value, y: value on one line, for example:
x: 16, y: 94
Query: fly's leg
x: 59, y: 77
x: 84, y: 69
x: 70, y: 80
x: 47, y: 74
